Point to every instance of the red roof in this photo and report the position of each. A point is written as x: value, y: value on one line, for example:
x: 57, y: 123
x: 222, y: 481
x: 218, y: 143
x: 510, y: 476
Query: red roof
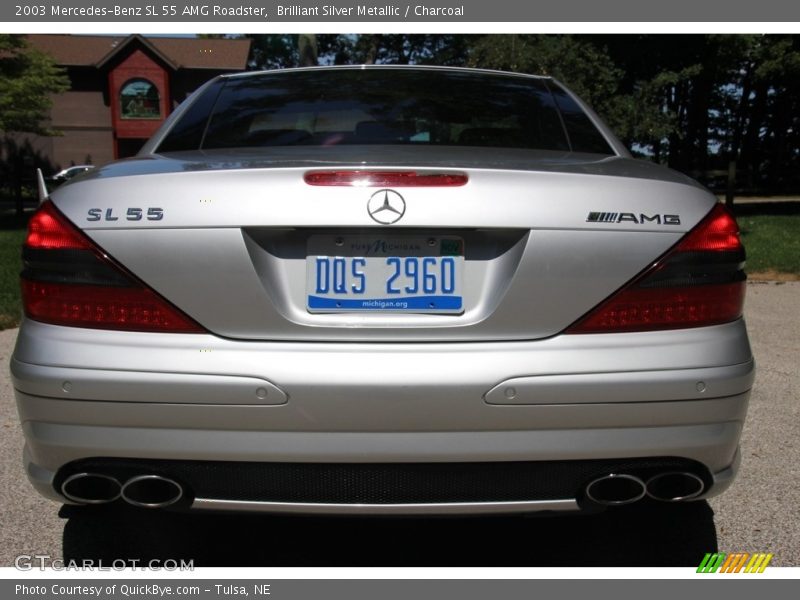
x: 181, y: 53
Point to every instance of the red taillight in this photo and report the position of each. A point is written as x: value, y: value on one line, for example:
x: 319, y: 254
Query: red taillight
x: 68, y: 280
x: 699, y: 282
x: 384, y: 179
x: 49, y: 230
x: 131, y: 309
x: 637, y: 309
x: 718, y: 232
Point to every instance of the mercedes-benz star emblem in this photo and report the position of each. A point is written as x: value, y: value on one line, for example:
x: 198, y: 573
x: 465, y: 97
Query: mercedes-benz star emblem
x: 386, y: 207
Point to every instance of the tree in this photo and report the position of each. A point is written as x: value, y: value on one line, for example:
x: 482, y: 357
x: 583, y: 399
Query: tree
x: 410, y: 49
x: 28, y: 78
x: 583, y: 66
x: 307, y: 50
x: 765, y: 113
x: 274, y: 51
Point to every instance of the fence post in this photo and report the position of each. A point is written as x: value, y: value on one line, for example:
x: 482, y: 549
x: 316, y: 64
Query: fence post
x: 731, y: 183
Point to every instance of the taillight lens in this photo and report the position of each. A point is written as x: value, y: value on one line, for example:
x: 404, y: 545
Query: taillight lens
x: 384, y: 179
x: 69, y: 280
x: 48, y: 230
x: 699, y: 282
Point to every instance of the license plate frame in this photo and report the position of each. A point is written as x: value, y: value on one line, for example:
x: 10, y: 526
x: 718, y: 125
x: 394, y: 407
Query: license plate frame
x: 399, y: 273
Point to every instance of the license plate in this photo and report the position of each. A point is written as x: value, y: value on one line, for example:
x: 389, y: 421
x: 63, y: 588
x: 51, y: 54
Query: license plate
x: 414, y: 274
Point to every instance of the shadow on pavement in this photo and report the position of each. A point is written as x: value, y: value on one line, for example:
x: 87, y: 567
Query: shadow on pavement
x: 639, y: 535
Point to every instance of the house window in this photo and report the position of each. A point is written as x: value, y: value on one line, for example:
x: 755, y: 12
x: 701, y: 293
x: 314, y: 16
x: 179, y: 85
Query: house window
x: 139, y: 100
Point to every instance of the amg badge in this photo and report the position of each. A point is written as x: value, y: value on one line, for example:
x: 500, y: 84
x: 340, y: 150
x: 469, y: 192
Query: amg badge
x: 626, y: 217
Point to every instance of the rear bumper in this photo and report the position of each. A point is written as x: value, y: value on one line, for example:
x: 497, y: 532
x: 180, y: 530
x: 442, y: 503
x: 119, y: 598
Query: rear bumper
x: 196, y: 397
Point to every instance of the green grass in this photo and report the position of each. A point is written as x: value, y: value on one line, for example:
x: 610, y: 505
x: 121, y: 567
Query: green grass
x: 772, y: 242
x: 10, y: 266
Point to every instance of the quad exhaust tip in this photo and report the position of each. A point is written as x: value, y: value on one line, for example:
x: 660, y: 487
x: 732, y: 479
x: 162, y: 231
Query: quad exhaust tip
x: 616, y: 489
x: 91, y: 488
x: 675, y: 486
x: 151, y: 491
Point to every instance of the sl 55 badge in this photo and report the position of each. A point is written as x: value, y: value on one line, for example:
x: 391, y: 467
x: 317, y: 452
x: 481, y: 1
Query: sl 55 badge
x: 132, y: 214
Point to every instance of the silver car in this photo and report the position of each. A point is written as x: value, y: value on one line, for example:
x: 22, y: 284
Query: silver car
x: 69, y: 173
x: 385, y: 290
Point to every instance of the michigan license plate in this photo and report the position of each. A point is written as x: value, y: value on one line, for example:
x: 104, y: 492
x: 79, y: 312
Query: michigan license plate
x: 384, y: 273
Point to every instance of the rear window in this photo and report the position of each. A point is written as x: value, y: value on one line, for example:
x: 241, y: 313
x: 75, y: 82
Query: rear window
x: 388, y: 106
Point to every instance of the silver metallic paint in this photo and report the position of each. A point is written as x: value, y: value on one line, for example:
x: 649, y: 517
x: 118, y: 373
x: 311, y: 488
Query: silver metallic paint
x: 443, y: 508
x: 369, y: 388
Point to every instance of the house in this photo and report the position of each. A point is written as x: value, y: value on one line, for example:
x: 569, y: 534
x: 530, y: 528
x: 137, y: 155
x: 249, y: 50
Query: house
x: 122, y: 89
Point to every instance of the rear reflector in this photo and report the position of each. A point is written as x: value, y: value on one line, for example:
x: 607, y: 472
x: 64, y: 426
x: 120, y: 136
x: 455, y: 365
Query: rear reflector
x: 384, y: 179
x: 699, y: 282
x: 69, y: 280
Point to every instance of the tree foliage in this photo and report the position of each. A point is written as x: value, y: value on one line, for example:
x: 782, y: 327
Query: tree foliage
x: 28, y: 78
x: 280, y: 51
x: 584, y: 67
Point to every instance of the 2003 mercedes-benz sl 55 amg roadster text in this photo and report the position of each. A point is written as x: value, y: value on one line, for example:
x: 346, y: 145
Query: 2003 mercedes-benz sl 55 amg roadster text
x: 386, y: 290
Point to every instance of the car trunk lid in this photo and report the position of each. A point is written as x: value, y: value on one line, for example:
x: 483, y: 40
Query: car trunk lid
x: 227, y: 237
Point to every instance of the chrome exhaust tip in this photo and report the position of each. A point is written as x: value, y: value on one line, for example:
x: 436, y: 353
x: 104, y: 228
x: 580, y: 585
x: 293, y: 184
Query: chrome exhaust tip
x: 616, y: 489
x: 91, y: 488
x: 151, y: 491
x: 675, y: 486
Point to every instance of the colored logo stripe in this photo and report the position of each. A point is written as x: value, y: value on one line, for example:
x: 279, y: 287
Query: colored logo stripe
x: 711, y: 562
x: 733, y: 563
x: 758, y: 563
